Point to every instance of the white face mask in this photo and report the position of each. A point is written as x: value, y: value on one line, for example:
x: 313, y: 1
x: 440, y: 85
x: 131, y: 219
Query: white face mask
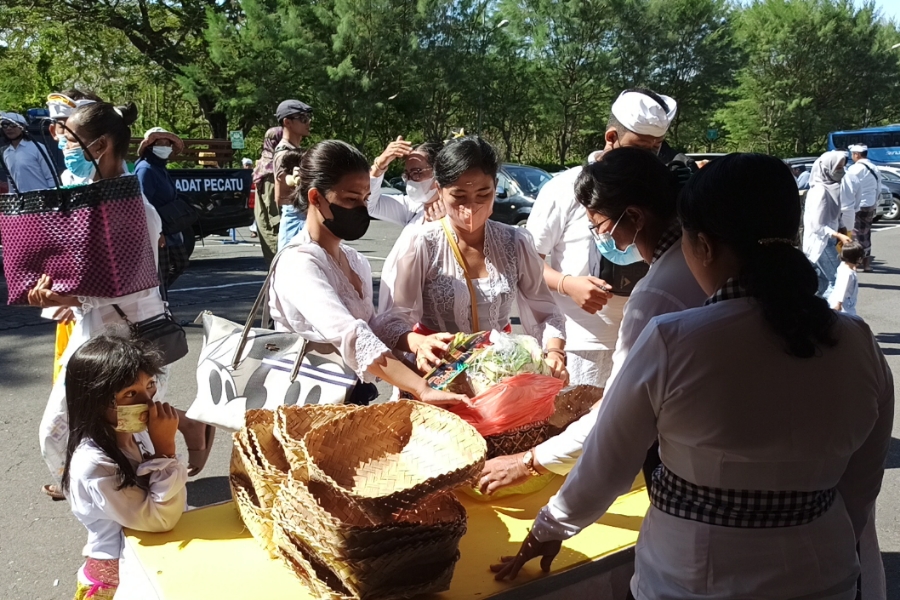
x: 421, y: 192
x: 163, y: 152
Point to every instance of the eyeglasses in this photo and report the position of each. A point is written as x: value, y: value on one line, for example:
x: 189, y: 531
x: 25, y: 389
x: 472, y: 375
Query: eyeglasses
x: 303, y: 118
x: 593, y: 228
x: 9, y: 125
x: 417, y: 174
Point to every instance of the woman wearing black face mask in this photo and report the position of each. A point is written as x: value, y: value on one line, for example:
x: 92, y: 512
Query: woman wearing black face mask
x: 322, y: 288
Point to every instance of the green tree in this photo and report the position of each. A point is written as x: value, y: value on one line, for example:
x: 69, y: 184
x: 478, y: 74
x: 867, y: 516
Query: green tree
x: 812, y: 66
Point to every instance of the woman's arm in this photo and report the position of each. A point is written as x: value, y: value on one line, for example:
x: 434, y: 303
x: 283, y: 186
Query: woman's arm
x: 540, y: 315
x: 403, y: 277
x: 613, y: 454
x: 396, y: 373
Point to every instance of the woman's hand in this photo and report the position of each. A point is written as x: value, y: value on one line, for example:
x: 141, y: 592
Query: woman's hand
x: 64, y: 314
x: 430, y: 350
x: 844, y: 239
x: 435, y: 210
x: 501, y: 472
x: 443, y: 399
x: 162, y: 427
x: 589, y: 293
x: 41, y: 295
x: 399, y: 148
x: 531, y: 548
x: 557, y: 363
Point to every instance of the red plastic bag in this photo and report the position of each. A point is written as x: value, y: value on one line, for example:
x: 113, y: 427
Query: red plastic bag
x: 515, y: 402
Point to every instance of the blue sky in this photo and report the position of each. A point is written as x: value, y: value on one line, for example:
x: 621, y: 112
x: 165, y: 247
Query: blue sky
x: 890, y: 8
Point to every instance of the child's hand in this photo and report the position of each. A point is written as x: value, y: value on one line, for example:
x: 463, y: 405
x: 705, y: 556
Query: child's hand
x: 162, y: 427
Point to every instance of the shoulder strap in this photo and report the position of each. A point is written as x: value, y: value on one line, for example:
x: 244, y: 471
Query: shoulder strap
x: 869, y: 169
x: 261, y: 299
x: 465, y: 268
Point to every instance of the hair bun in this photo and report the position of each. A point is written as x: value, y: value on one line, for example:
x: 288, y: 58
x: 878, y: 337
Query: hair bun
x: 128, y: 112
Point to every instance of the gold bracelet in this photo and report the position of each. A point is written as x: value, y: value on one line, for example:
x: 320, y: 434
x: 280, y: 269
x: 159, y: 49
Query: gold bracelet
x: 559, y: 286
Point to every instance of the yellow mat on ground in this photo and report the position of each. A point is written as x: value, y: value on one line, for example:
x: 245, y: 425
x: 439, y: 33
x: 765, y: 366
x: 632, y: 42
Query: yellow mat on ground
x: 210, y: 554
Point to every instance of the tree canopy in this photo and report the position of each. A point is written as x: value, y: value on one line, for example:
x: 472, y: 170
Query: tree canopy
x: 536, y: 77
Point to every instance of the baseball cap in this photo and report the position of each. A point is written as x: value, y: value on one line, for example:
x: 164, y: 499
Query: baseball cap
x: 13, y: 117
x: 291, y: 107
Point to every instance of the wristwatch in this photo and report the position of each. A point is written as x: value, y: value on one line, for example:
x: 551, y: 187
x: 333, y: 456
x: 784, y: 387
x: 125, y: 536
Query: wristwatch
x: 528, y: 461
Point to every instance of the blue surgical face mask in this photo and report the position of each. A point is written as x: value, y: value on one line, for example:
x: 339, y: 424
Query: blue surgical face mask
x: 77, y: 163
x: 62, y: 142
x: 607, y: 247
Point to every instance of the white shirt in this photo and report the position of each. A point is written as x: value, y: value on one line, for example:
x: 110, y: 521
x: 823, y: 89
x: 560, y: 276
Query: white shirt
x: 821, y: 219
x: 851, y: 200
x: 668, y: 287
x: 421, y: 282
x: 846, y: 288
x: 104, y: 509
x: 782, y: 424
x: 310, y: 295
x: 399, y: 210
x: 561, y: 229
x: 870, y: 181
x: 28, y: 168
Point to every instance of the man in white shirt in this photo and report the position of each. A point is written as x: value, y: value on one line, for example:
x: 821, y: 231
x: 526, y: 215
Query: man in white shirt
x: 28, y: 165
x: 560, y: 227
x: 869, y: 190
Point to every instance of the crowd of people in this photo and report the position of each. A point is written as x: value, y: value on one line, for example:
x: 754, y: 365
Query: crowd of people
x: 734, y: 371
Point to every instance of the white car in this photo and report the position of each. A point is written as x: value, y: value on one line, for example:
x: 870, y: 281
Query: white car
x: 890, y: 179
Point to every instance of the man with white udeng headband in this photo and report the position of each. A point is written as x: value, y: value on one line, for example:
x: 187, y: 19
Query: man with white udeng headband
x: 592, y: 304
x: 632, y: 207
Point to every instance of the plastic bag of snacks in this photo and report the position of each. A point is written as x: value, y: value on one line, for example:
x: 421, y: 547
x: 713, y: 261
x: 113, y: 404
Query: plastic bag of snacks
x: 513, y: 403
x: 507, y: 355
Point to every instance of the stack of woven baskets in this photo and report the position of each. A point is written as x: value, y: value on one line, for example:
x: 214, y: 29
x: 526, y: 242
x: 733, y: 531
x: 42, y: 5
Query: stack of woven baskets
x: 357, y: 501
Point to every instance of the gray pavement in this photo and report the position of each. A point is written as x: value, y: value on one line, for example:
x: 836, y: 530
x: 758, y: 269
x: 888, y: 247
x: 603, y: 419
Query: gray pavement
x: 40, y: 541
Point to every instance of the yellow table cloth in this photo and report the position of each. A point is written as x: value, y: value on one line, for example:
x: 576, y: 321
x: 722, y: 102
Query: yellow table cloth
x: 211, y: 555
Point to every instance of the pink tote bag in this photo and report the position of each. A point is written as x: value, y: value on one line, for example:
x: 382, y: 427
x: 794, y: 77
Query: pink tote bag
x: 91, y: 240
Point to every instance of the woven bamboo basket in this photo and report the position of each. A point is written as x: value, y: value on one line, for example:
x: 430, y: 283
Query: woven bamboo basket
x: 320, y: 580
x: 257, y: 519
x: 572, y: 404
x: 388, y: 457
x: 419, y: 569
x: 346, y: 532
x: 292, y: 423
x: 266, y: 464
x: 517, y: 440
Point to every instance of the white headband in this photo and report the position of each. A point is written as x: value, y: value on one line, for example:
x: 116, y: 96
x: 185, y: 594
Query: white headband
x: 643, y: 115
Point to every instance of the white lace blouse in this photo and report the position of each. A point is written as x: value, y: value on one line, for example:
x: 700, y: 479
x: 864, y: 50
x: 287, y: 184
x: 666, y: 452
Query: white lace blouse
x: 422, y: 283
x: 310, y: 295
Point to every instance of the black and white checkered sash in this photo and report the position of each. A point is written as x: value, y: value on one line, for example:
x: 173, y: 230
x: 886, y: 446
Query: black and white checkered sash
x: 736, y: 508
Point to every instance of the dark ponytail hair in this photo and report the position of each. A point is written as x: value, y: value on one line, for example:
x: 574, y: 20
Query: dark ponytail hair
x: 460, y: 155
x: 627, y: 177
x: 96, y: 372
x: 102, y: 118
x: 323, y: 166
x: 749, y: 202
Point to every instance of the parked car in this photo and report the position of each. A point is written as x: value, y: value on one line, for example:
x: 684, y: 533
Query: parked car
x: 517, y: 189
x: 890, y: 179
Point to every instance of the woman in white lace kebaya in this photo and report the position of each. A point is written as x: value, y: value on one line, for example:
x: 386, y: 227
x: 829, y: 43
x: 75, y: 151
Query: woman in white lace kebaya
x: 322, y: 288
x: 425, y: 295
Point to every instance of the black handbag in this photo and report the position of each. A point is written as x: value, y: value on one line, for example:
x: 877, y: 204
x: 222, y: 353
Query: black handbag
x: 162, y: 331
x: 622, y: 278
x: 177, y: 216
